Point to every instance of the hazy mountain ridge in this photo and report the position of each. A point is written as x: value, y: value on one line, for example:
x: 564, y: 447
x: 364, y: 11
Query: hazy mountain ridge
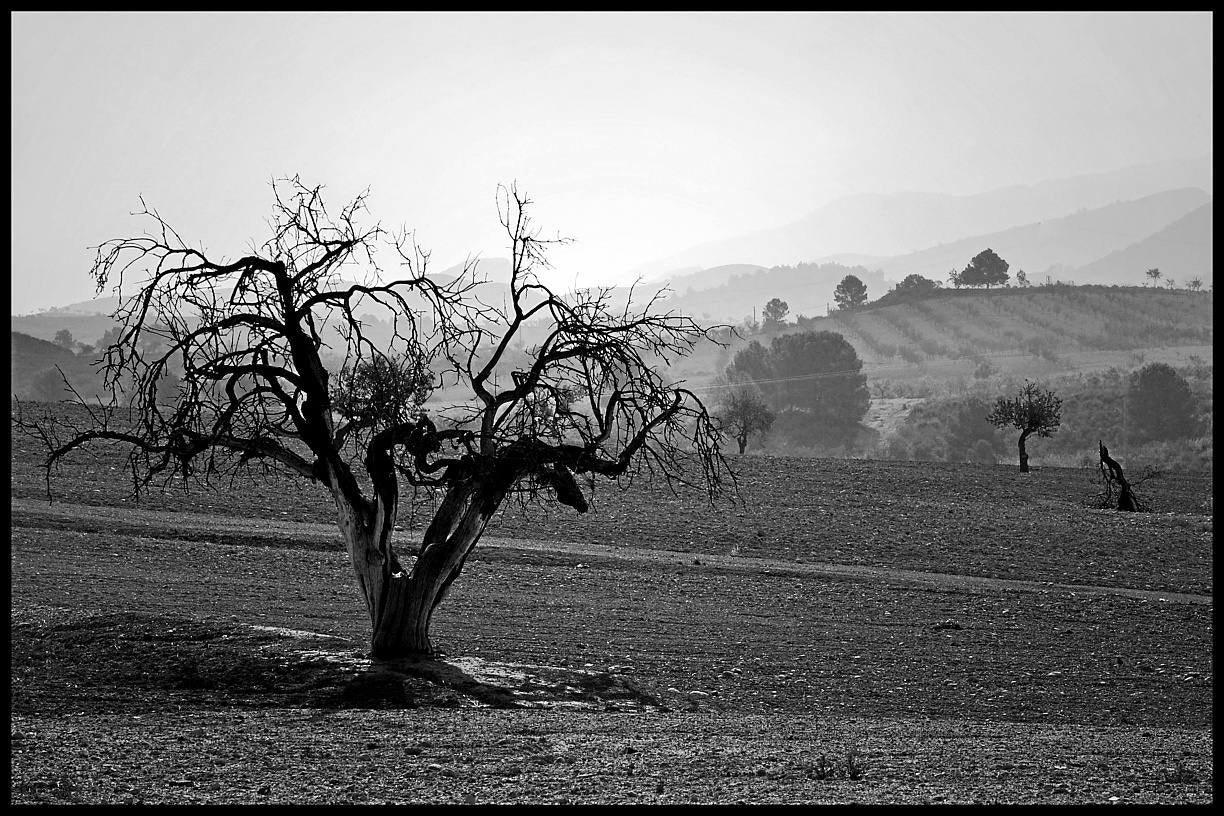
x: 1182, y: 250
x: 1069, y: 242
x: 806, y: 288
x: 900, y: 224
x: 1064, y: 248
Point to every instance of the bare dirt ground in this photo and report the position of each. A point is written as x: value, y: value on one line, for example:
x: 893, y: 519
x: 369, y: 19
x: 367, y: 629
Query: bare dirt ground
x: 855, y: 632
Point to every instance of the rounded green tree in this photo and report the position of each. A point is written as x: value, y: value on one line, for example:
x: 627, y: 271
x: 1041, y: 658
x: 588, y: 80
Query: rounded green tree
x: 1159, y: 405
x: 850, y: 293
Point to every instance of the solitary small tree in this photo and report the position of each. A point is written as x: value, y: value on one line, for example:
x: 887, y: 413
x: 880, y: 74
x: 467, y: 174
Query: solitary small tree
x: 850, y: 293
x: 743, y: 413
x: 1153, y: 275
x: 63, y: 338
x: 255, y: 385
x: 774, y: 313
x: 986, y: 269
x: 1032, y: 411
x: 1022, y: 278
x: 912, y: 287
x: 1195, y: 284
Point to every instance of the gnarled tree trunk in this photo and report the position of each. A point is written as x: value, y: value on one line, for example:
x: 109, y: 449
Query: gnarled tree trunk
x: 1024, y: 468
x: 401, y: 601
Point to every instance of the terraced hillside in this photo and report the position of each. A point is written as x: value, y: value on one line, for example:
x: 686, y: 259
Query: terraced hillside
x: 1036, y: 332
x: 1060, y: 318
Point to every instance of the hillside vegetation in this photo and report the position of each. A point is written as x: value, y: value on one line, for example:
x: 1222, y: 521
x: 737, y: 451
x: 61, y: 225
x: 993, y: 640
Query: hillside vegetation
x: 33, y: 371
x: 963, y: 325
x: 957, y: 335
x: 1044, y: 321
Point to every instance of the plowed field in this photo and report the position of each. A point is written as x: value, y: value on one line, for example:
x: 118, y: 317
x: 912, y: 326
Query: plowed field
x: 849, y: 631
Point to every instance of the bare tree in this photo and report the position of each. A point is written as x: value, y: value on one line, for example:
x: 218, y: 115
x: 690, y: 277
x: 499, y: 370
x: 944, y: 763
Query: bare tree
x: 252, y: 339
x: 743, y: 413
x: 1032, y: 411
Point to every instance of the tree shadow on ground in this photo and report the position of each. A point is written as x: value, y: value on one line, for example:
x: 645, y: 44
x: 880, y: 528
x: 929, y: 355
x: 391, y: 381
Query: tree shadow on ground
x: 129, y: 662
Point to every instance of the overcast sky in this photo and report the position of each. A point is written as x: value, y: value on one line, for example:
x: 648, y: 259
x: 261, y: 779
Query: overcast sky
x: 637, y: 134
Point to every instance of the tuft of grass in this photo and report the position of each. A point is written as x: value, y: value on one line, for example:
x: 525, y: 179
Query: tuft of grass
x: 1180, y: 774
x: 851, y: 768
x: 854, y: 766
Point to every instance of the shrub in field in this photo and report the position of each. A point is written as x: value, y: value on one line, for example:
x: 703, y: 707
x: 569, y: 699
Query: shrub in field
x: 253, y: 386
x: 1159, y: 403
x: 947, y: 430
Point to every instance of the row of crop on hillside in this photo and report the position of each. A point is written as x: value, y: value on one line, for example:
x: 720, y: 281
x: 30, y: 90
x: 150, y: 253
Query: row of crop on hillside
x: 1096, y: 318
x: 989, y: 333
x: 1176, y: 326
x: 1034, y: 313
x: 1045, y: 323
x: 1105, y: 319
x: 865, y: 343
x: 880, y: 348
x: 928, y: 345
x: 967, y: 335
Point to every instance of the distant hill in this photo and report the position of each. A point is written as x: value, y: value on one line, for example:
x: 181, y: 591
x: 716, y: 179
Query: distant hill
x: 93, y: 306
x: 898, y: 224
x: 1047, y: 247
x: 806, y: 288
x: 33, y: 359
x: 494, y: 270
x: 85, y: 328
x: 1043, y: 248
x: 697, y: 279
x: 1181, y: 251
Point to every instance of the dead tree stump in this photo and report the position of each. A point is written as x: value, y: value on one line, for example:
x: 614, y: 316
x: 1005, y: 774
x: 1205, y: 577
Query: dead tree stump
x: 1111, y: 471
